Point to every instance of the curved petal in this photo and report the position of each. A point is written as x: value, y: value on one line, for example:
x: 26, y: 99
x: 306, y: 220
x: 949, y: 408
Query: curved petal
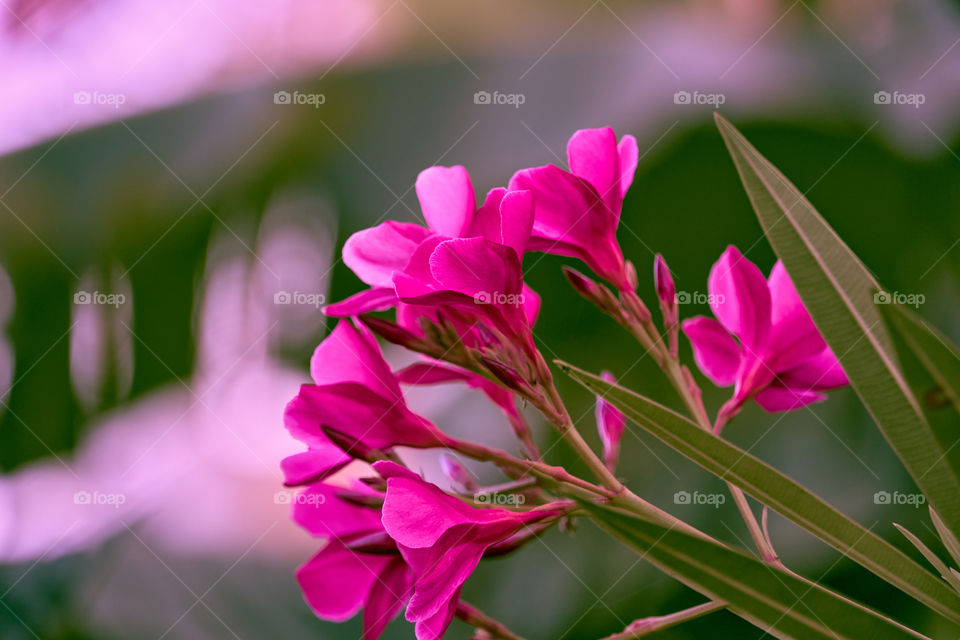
x: 776, y: 398
x: 714, y: 349
x: 387, y: 596
x: 441, y: 571
x: 506, y: 218
x: 629, y: 156
x: 376, y: 299
x: 793, y: 336
x: 335, y: 582
x: 322, y: 513
x: 475, y: 266
x: 610, y: 425
x: 349, y: 354
x: 531, y: 304
x: 822, y: 371
x: 592, y: 154
x: 375, y: 253
x: 740, y: 299
x: 435, y: 626
x: 446, y: 198
x: 313, y: 465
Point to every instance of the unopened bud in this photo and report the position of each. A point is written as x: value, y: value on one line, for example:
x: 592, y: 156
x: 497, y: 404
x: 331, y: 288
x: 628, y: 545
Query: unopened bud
x: 360, y: 498
x: 508, y: 376
x: 631, y: 272
x: 457, y: 473
x: 593, y: 291
x: 667, y: 294
x: 610, y: 424
x: 378, y: 543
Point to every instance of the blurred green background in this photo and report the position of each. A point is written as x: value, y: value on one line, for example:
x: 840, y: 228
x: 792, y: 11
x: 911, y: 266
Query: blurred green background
x: 140, y: 204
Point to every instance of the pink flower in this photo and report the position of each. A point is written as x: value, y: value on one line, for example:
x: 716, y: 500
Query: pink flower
x: 443, y: 539
x: 356, y: 394
x: 577, y: 211
x: 358, y: 567
x: 781, y: 359
x: 448, y: 205
x: 610, y: 425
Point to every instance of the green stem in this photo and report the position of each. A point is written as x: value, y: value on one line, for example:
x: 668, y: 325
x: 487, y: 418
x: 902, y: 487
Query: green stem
x: 645, y: 626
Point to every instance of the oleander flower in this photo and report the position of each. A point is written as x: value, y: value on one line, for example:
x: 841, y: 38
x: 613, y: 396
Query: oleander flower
x: 779, y: 357
x: 447, y: 200
x: 443, y: 539
x: 355, y: 394
x: 577, y: 212
x: 359, y: 567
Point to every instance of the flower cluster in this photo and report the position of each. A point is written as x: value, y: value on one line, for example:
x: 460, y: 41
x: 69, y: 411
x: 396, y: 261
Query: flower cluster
x: 393, y: 540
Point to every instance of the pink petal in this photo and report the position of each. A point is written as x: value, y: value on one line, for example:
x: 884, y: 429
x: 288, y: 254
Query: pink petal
x: 740, y: 299
x: 714, y: 349
x: 793, y: 336
x: 446, y: 197
x: 374, y: 254
x: 531, y: 304
x: 776, y: 398
x: 349, y: 354
x: 593, y: 155
x: 335, y: 582
x: 441, y: 571
x: 629, y: 155
x: 432, y: 373
x: 473, y: 266
x: 822, y: 371
x: 357, y: 412
x: 321, y: 513
x: 506, y: 218
x: 416, y: 279
x: 435, y: 626
x: 376, y: 299
x: 387, y: 597
x: 313, y: 465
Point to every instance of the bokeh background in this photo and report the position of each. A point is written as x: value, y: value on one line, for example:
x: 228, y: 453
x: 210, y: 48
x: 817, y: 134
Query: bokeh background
x: 158, y: 192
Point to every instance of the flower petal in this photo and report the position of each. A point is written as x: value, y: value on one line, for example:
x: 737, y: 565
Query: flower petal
x: 349, y: 354
x: 446, y: 197
x: 474, y: 266
x: 610, y: 425
x: 506, y: 218
x: 714, y: 349
x: 336, y: 581
x: 592, y: 154
x: 441, y: 571
x: 375, y: 299
x: 313, y: 465
x: 822, y: 371
x: 777, y: 398
x: 320, y: 511
x: 386, y: 598
x: 629, y: 155
x: 793, y: 336
x: 740, y: 299
x: 435, y: 626
x: 374, y: 254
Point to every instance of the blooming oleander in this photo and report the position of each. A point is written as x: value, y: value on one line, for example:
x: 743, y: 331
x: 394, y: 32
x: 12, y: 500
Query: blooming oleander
x: 456, y: 289
x: 781, y: 360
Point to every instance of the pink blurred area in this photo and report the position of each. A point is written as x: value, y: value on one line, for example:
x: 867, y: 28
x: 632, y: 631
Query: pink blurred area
x: 72, y: 65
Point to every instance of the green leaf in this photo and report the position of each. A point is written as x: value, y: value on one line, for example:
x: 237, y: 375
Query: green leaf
x: 946, y: 536
x: 933, y: 349
x: 781, y: 603
x: 838, y: 290
x: 931, y: 557
x: 777, y: 491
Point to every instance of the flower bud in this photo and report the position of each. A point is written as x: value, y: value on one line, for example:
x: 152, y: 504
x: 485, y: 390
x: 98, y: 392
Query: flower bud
x: 667, y: 293
x: 593, y: 291
x: 350, y: 445
x: 360, y: 498
x: 457, y: 473
x: 508, y: 376
x: 610, y: 424
x: 391, y: 332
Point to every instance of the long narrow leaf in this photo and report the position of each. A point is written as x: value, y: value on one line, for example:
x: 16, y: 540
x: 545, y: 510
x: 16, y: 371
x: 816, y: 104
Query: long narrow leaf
x: 773, y: 599
x: 839, y: 293
x: 931, y: 557
x: 777, y: 491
